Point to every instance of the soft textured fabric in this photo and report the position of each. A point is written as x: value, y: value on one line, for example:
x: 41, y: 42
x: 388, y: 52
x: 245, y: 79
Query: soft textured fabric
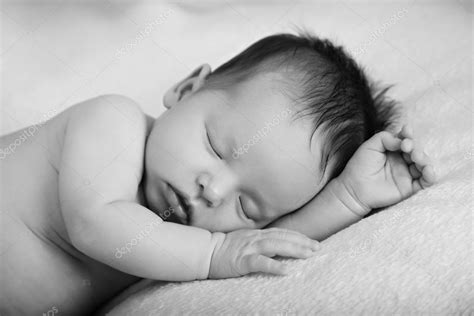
x: 414, y: 257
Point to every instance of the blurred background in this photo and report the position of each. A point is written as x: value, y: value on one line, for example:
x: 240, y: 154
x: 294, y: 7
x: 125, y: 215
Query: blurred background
x: 56, y: 53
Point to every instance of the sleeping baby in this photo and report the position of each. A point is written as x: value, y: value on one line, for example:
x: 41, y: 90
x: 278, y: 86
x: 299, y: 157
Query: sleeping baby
x: 287, y: 136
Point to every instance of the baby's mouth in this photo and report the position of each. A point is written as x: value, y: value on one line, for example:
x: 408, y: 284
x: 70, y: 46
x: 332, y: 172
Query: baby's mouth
x: 179, y: 206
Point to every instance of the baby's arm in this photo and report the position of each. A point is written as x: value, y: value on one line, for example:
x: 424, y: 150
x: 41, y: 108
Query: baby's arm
x: 327, y: 213
x: 384, y: 170
x: 99, y: 176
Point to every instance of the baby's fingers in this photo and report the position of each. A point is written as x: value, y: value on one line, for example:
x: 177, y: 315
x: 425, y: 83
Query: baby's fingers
x: 283, y: 248
x: 428, y: 176
x: 290, y: 236
x: 407, y: 145
x: 414, y: 172
x: 419, y: 158
x: 406, y: 132
x: 407, y: 158
x: 427, y: 179
x: 260, y: 263
x: 382, y: 142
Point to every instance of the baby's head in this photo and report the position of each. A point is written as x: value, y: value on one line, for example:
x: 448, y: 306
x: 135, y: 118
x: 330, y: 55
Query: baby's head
x: 261, y: 135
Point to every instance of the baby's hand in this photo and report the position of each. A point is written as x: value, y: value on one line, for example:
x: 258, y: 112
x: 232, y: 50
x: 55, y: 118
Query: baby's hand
x: 386, y: 169
x: 246, y: 251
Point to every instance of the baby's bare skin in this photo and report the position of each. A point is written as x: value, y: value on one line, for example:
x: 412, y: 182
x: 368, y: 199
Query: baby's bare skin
x: 40, y: 267
x: 42, y: 270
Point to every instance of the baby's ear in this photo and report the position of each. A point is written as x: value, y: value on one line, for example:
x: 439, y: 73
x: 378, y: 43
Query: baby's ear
x: 188, y: 85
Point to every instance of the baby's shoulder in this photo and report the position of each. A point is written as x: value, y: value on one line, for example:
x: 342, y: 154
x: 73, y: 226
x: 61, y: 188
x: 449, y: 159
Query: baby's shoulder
x: 104, y: 140
x: 108, y: 109
x: 107, y: 118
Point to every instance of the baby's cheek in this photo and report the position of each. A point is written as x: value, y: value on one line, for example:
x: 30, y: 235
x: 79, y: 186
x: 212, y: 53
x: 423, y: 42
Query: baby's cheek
x: 220, y: 221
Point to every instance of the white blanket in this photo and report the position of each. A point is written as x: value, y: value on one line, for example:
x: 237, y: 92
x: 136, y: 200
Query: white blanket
x: 414, y: 257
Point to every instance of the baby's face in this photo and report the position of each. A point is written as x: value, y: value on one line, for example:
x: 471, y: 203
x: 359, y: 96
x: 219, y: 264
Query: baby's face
x: 238, y: 158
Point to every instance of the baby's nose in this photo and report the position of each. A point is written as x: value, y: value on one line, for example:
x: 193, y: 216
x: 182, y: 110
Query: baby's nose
x: 212, y: 199
x: 212, y: 196
x: 214, y: 189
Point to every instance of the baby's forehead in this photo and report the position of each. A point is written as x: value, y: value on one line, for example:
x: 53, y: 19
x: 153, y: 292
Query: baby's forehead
x: 256, y: 102
x: 262, y: 111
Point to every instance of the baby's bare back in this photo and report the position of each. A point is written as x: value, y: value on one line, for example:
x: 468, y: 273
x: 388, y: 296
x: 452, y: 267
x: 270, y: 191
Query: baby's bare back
x: 40, y: 270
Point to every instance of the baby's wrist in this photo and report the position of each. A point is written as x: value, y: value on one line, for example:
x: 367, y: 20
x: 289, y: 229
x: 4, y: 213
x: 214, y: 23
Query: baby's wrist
x: 218, y: 239
x: 344, y: 192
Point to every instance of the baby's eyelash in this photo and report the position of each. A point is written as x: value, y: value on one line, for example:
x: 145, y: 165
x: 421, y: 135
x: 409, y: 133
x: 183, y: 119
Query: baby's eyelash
x: 212, y: 147
x: 242, y: 207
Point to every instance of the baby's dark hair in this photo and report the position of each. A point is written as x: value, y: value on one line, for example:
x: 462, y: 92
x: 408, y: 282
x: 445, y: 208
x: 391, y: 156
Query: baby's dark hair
x: 330, y: 88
